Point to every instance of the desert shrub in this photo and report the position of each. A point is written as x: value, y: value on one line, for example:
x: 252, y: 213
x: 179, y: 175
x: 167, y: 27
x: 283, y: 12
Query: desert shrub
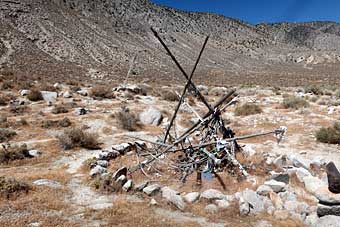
x: 47, y: 87
x: 329, y: 135
x: 12, y: 153
x: 169, y: 96
x: 126, y: 119
x: 314, y: 89
x: 22, y: 122
x: 35, y: 95
x: 10, y: 187
x: 3, y: 122
x: 248, y: 109
x: 293, y: 102
x: 6, y: 134
x: 3, y: 100
x: 6, y: 85
x: 58, y: 109
x: 77, y: 137
x: 314, y: 99
x: 102, y: 92
x: 337, y: 94
x: 64, y: 123
x: 18, y: 109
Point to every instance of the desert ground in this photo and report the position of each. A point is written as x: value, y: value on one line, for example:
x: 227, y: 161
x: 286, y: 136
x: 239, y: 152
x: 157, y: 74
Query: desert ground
x: 54, y: 135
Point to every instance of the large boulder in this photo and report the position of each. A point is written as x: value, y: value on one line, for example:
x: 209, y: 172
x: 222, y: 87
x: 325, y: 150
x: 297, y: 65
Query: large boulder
x: 192, y: 197
x: 333, y: 176
x: 173, y: 197
x: 49, y: 96
x: 151, y: 116
x: 151, y: 189
x: 264, y: 190
x: 328, y: 221
x: 212, y: 194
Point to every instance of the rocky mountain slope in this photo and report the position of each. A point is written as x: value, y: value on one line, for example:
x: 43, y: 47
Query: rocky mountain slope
x: 99, y: 38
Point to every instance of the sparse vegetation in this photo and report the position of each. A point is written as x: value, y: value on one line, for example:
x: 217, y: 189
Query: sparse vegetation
x: 337, y: 94
x: 6, y: 134
x: 3, y: 100
x: 126, y: 119
x: 35, y: 95
x: 169, y: 96
x: 248, y: 109
x: 330, y: 134
x: 10, y: 187
x: 314, y: 89
x: 12, y: 153
x: 58, y: 109
x: 64, y: 123
x: 102, y: 92
x: 293, y: 102
x: 77, y: 137
x: 18, y: 109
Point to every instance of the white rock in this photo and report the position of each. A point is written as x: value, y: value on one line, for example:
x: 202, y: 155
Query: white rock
x: 57, y: 86
x: 25, y: 92
x: 103, y: 163
x: 276, y: 185
x: 48, y: 183
x: 300, y: 172
x: 221, y: 203
x: 211, y: 208
x: 264, y: 190
x: 173, y: 197
x: 257, y: 202
x: 212, y: 194
x: 34, y: 153
x: 127, y: 186
x: 327, y: 221
x: 151, y: 189
x: 153, y: 202
x: 151, y: 116
x: 299, y: 161
x: 311, y: 219
x: 83, y: 92
x: 192, y: 197
x: 67, y: 94
x: 141, y: 186
x: 248, y: 150
x: 97, y: 171
x: 244, y: 207
x: 49, y: 96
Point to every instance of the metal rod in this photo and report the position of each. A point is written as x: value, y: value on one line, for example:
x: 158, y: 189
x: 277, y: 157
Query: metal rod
x: 182, y: 70
x: 185, y: 90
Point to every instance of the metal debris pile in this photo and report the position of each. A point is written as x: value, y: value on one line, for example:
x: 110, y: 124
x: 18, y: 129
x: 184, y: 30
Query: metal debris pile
x: 209, y: 146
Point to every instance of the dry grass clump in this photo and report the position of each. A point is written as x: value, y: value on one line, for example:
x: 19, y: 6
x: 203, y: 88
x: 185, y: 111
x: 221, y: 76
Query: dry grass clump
x: 64, y: 123
x: 126, y: 119
x: 77, y: 137
x: 9, y: 154
x: 6, y: 134
x: 47, y: 87
x: 102, y: 92
x: 169, y: 96
x: 35, y: 95
x: 337, y: 94
x: 293, y: 102
x: 59, y: 109
x: 10, y: 187
x: 3, y: 100
x: 248, y: 109
x: 18, y: 109
x: 330, y: 134
x: 314, y: 89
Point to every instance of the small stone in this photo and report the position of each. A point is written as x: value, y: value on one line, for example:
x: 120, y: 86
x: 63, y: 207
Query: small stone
x: 212, y: 194
x: 83, y: 92
x: 141, y: 186
x: 121, y: 180
x: 192, y: 197
x: 173, y: 197
x: 48, y: 183
x: 221, y: 203
x: 281, y: 177
x: 276, y: 185
x: 119, y: 172
x: 122, y: 148
x: 57, y: 86
x: 264, y: 190
x: 34, y: 153
x: 49, y: 97
x: 151, y: 189
x: 151, y: 116
x: 103, y: 163
x: 34, y: 224
x: 153, y: 202
x: 80, y: 111
x: 97, y: 170
x: 25, y: 92
x: 127, y: 186
x: 67, y: 94
x: 244, y: 207
x: 211, y: 208
x: 276, y: 200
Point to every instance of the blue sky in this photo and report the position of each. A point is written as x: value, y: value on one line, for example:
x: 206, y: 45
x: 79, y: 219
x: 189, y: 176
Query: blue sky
x: 254, y: 11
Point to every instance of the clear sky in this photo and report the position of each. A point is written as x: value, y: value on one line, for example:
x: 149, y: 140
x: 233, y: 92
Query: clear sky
x: 257, y: 11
